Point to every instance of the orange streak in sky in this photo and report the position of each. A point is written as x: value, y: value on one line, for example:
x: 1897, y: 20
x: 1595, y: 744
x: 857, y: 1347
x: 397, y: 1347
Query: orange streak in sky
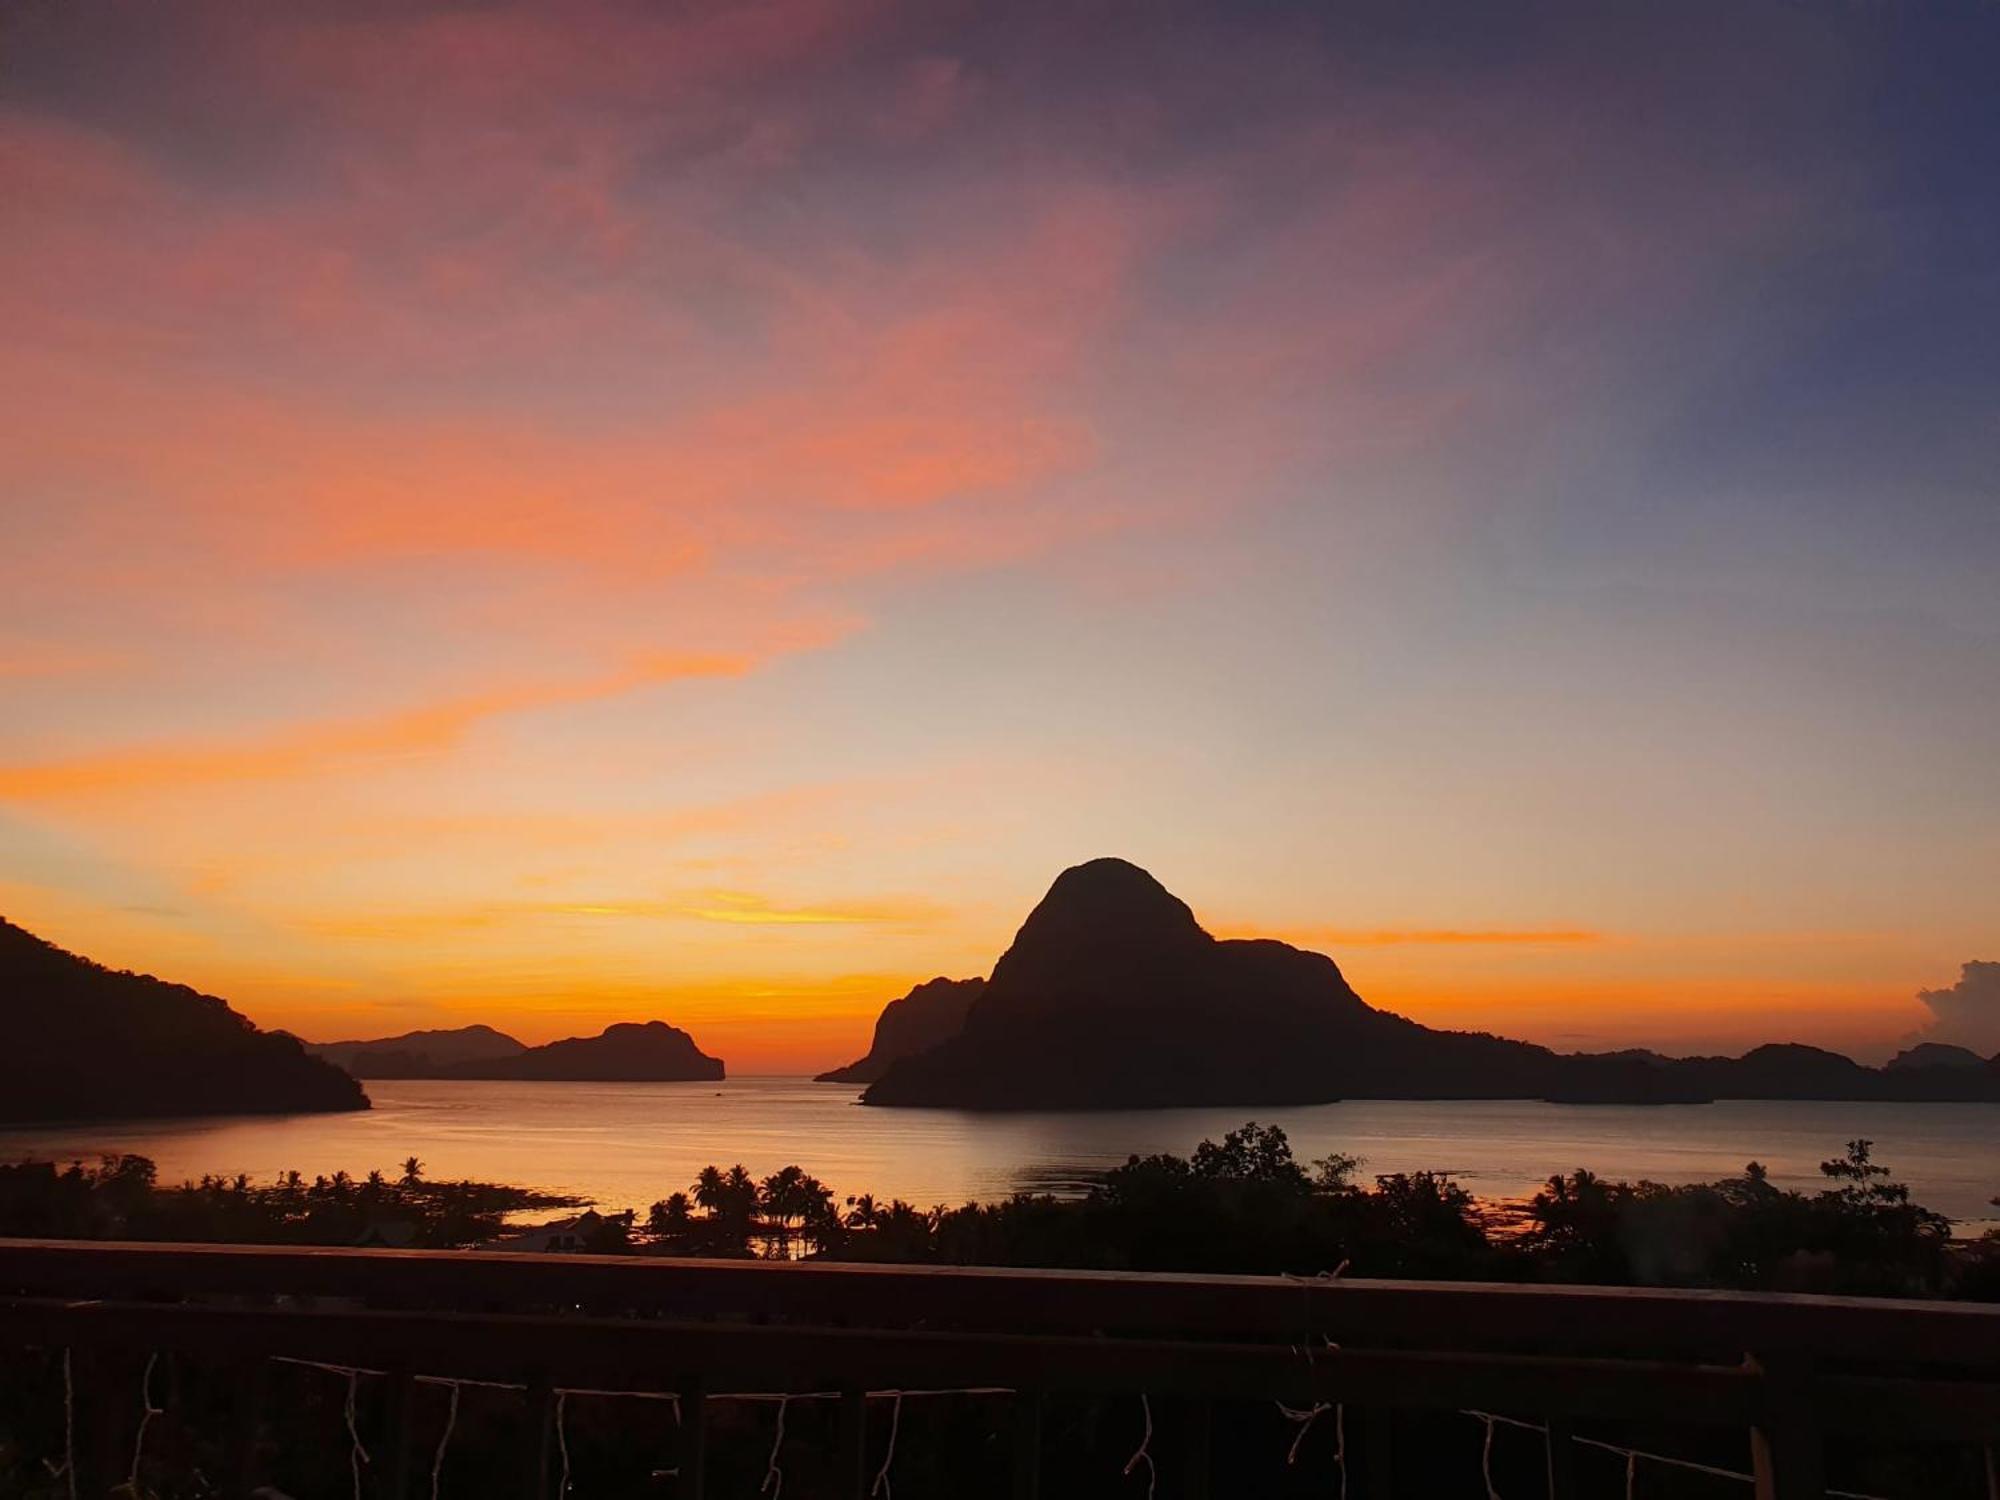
x: 726, y: 906
x: 314, y: 747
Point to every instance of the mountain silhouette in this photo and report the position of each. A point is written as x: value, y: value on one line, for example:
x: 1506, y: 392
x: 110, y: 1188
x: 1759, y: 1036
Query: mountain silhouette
x: 1112, y: 996
x: 418, y: 1054
x: 932, y: 1012
x: 626, y: 1052
x: 85, y: 1042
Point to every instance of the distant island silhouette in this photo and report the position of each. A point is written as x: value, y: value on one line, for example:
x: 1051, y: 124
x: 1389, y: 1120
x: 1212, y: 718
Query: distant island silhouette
x: 1113, y: 997
x: 932, y: 1012
x: 86, y: 1042
x: 625, y: 1052
x: 419, y: 1054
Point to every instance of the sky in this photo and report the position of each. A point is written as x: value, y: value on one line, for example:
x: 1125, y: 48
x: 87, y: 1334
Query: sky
x: 551, y: 515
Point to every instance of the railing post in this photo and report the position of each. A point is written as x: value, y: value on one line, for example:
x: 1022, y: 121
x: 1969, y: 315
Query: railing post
x: 1027, y: 1445
x: 100, y: 1422
x: 1785, y: 1448
x: 694, y: 1441
x: 1378, y: 1452
x: 1197, y: 1420
x: 853, y: 1474
x: 1562, y: 1460
x: 541, y: 1420
x: 401, y: 1403
x: 246, y: 1421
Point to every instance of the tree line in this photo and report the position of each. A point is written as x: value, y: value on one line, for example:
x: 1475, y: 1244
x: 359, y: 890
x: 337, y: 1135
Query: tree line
x: 1243, y: 1204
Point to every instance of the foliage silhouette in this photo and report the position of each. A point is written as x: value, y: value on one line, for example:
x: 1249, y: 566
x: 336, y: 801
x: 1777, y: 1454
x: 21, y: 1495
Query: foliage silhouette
x: 120, y: 1198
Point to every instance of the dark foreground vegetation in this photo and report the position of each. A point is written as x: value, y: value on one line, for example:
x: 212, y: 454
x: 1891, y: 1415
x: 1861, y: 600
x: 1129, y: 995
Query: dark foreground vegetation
x: 120, y: 1199
x: 1241, y: 1205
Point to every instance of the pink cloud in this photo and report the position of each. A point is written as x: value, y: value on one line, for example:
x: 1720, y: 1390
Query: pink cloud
x: 560, y: 337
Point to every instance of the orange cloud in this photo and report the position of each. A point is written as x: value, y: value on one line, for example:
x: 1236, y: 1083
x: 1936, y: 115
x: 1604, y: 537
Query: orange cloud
x: 874, y: 387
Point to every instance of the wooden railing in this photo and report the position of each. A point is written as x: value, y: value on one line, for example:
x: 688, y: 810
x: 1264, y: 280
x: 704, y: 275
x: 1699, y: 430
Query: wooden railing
x: 1786, y: 1370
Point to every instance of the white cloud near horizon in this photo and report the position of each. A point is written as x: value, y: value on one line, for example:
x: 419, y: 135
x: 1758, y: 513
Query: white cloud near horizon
x: 1968, y: 1013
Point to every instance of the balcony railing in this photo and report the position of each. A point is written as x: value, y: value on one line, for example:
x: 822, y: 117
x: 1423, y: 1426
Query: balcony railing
x: 1785, y: 1371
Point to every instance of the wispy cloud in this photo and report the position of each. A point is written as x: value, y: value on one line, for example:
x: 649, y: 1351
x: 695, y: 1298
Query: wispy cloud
x: 749, y: 908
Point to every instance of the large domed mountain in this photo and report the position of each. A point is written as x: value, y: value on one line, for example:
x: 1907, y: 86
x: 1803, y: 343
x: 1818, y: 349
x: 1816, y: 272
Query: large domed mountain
x: 1113, y: 997
x: 85, y: 1042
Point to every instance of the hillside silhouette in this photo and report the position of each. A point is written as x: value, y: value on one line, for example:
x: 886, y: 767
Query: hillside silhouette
x: 1936, y: 1055
x: 86, y: 1042
x: 1112, y: 996
x: 626, y: 1052
x: 932, y: 1012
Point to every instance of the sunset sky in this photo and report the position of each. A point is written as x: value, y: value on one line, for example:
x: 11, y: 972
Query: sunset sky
x: 549, y: 515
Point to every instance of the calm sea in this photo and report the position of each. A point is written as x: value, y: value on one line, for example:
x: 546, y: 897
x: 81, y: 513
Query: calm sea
x: 625, y: 1145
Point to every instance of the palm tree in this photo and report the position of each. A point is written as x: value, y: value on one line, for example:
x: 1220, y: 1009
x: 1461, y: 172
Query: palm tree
x: 709, y: 1191
x: 670, y: 1216
x: 730, y: 1201
x: 741, y: 1190
x: 794, y: 1200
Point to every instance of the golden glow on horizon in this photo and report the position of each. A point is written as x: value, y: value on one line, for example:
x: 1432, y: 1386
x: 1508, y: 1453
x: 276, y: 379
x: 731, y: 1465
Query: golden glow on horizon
x: 1342, y: 937
x: 1658, y: 991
